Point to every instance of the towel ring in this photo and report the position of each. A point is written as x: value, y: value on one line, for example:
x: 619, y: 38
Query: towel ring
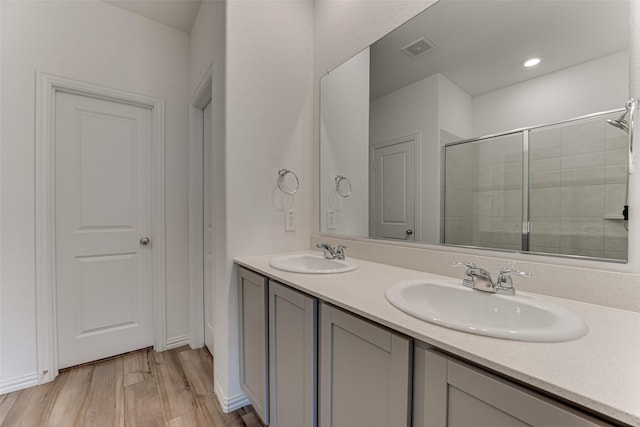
x: 339, y: 190
x: 282, y: 173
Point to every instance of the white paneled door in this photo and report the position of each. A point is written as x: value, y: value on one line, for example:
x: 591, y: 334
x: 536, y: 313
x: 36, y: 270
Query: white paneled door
x: 207, y: 198
x: 102, y: 228
x: 393, y: 181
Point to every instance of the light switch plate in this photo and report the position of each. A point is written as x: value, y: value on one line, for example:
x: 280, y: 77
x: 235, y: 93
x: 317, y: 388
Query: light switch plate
x: 290, y: 220
x: 331, y: 220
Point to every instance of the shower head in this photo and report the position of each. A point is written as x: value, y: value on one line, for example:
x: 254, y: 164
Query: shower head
x: 620, y: 122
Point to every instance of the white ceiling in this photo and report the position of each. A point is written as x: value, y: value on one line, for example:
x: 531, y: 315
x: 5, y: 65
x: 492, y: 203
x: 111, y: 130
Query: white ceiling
x: 481, y: 44
x: 179, y: 14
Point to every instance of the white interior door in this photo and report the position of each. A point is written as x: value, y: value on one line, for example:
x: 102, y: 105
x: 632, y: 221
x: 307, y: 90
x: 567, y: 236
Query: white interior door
x: 102, y: 211
x: 393, y: 193
x: 207, y: 173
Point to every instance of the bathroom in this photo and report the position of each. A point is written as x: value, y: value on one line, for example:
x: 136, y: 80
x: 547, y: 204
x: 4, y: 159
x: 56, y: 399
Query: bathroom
x: 265, y: 86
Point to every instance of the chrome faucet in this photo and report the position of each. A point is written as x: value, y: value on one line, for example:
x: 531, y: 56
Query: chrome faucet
x: 480, y: 279
x: 332, y: 253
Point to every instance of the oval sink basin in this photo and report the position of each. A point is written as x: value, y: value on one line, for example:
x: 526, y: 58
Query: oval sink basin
x: 312, y: 264
x: 515, y: 317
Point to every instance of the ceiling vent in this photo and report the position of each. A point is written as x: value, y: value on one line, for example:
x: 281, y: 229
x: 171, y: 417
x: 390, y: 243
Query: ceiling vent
x: 419, y: 47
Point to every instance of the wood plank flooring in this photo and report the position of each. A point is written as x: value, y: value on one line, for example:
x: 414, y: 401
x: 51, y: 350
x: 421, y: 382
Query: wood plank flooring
x: 147, y: 389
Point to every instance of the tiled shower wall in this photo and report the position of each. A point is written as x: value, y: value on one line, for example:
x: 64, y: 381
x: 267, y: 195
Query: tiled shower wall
x: 577, y: 188
x: 578, y: 175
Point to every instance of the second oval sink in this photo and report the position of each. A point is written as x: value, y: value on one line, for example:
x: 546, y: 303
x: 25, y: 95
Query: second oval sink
x: 516, y: 317
x: 312, y: 264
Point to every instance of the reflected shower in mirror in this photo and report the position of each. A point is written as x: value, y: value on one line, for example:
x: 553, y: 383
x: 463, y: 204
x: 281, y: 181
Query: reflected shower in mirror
x: 569, y: 198
x: 550, y: 179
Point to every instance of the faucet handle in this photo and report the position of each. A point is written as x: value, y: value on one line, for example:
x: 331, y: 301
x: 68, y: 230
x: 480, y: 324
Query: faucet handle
x: 340, y: 251
x: 327, y: 250
x: 506, y: 272
x: 468, y: 279
x: 463, y: 264
x: 504, y: 284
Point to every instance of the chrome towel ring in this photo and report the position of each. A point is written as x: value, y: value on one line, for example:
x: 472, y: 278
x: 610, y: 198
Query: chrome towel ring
x: 343, y: 186
x: 287, y: 189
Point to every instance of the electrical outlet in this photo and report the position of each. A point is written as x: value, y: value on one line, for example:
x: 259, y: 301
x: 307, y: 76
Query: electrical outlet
x: 331, y: 220
x: 290, y: 220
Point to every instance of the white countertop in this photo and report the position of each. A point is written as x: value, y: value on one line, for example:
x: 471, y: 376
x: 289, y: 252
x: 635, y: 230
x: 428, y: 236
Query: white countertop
x: 600, y: 371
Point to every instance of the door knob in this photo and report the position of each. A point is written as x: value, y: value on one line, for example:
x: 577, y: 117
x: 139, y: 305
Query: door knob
x: 409, y: 232
x: 145, y: 241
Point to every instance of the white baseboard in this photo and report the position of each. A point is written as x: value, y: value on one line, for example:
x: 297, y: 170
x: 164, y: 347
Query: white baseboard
x: 230, y: 404
x: 18, y: 383
x: 178, y: 341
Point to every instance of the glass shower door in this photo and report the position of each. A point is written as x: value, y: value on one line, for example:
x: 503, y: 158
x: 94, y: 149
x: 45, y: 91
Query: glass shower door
x: 483, y: 192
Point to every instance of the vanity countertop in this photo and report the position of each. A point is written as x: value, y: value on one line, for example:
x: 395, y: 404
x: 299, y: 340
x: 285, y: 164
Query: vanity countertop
x: 600, y: 371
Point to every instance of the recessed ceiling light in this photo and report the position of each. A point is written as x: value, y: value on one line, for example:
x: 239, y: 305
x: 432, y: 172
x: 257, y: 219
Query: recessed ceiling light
x: 531, y: 62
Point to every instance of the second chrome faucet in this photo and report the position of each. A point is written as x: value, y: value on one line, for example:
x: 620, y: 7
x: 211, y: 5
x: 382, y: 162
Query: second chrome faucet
x: 332, y: 253
x: 480, y: 279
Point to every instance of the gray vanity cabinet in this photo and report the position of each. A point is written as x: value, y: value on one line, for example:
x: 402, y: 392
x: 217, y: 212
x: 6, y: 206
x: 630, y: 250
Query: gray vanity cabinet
x: 253, y: 333
x: 365, y: 372
x: 292, y: 361
x: 451, y: 393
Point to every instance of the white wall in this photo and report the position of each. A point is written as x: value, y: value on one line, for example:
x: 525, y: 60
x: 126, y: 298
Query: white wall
x: 598, y: 85
x: 208, y: 49
x: 455, y: 110
x: 261, y: 94
x: 97, y: 43
x: 269, y: 86
x: 207, y: 44
x: 344, y: 135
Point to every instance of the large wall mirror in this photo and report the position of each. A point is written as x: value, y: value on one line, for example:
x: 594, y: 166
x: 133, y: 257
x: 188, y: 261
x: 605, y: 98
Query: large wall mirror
x: 439, y: 133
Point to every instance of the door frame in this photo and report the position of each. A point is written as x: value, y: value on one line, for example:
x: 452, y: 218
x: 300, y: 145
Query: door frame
x: 417, y: 173
x: 47, y: 86
x: 202, y: 95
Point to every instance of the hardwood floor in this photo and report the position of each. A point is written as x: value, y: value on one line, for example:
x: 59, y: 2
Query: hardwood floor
x: 172, y: 389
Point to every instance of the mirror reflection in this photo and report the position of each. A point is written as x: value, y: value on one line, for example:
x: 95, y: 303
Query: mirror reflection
x: 403, y: 123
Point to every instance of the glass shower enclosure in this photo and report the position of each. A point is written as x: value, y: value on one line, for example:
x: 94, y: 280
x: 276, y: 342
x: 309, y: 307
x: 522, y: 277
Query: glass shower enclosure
x: 556, y: 189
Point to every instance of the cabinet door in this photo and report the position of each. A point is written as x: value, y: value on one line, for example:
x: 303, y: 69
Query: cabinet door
x: 253, y: 330
x: 292, y: 351
x: 454, y: 394
x: 364, y: 372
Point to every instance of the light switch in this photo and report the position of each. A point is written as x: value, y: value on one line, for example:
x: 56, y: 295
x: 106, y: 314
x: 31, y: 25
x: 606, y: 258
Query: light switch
x: 331, y: 220
x: 290, y: 220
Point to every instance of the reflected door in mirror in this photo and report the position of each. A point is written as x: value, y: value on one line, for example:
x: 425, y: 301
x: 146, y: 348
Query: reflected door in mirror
x: 394, y: 190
